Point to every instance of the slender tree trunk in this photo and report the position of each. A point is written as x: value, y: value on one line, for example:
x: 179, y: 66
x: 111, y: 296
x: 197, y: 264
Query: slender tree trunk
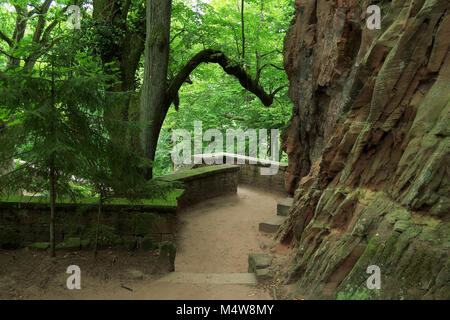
x: 243, y: 30
x: 52, y: 173
x: 97, y: 231
x: 258, y: 57
x: 52, y: 208
x: 153, y: 95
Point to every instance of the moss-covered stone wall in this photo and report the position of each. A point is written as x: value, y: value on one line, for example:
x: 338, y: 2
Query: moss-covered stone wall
x: 205, y: 182
x: 25, y: 220
x: 24, y: 223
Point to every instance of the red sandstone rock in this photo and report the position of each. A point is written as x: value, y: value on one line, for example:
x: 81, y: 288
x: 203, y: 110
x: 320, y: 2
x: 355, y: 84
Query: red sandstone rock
x: 372, y: 113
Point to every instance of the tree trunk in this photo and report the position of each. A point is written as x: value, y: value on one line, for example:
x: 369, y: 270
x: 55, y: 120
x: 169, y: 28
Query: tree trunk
x: 52, y: 172
x: 125, y: 55
x: 153, y: 95
x: 243, y: 30
x: 52, y: 208
x: 97, y: 231
x: 19, y: 33
x: 157, y: 94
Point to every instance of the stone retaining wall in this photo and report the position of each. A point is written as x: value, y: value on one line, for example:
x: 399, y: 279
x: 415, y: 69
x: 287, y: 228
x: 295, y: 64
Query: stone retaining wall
x: 251, y: 175
x: 23, y: 223
x: 250, y: 170
x: 205, y: 182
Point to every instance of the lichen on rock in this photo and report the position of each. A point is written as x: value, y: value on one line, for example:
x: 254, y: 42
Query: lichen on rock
x: 369, y: 148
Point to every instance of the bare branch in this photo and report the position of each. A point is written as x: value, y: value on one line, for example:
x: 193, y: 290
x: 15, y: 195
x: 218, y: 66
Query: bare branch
x: 279, y: 89
x: 271, y: 65
x: 8, y: 55
x: 226, y: 116
x: 177, y: 35
x: 6, y: 39
x: 270, y: 52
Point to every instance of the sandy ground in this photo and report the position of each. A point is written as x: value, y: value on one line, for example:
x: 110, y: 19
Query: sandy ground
x: 213, y: 237
x: 217, y: 235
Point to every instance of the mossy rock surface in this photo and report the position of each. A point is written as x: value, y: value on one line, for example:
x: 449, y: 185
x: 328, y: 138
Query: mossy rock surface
x: 362, y: 293
x: 380, y: 163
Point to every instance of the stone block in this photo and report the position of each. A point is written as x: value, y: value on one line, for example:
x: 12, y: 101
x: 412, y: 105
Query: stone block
x: 272, y: 225
x: 148, y: 243
x: 257, y: 261
x: 284, y: 206
x: 135, y: 275
x: 263, y: 275
x: 167, y: 253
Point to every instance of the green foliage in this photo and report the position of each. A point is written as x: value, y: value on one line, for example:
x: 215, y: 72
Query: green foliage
x: 362, y: 293
x: 107, y: 236
x: 216, y: 99
x: 74, y: 127
x: 52, y: 120
x: 168, y: 199
x: 83, y: 56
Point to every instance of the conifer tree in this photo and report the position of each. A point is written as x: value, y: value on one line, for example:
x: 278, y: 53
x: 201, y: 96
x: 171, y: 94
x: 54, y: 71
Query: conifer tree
x: 53, y: 121
x: 48, y: 112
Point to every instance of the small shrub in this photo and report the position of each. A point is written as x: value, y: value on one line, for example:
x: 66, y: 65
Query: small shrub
x: 107, y: 236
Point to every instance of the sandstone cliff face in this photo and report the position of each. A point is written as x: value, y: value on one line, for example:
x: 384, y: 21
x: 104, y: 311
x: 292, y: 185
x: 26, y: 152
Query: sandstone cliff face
x: 369, y: 149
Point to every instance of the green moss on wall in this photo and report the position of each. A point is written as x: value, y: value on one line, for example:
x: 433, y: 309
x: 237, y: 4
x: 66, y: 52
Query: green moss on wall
x: 192, y: 174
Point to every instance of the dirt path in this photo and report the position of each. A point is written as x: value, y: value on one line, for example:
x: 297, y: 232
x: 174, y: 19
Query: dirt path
x: 217, y: 235
x: 214, y: 240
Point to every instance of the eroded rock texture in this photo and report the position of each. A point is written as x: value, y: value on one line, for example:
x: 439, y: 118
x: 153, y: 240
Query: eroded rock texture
x: 369, y: 149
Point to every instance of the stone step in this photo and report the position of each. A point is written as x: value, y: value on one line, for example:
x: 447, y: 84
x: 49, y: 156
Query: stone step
x: 272, y: 225
x: 284, y: 206
x: 210, y: 278
x: 257, y: 261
